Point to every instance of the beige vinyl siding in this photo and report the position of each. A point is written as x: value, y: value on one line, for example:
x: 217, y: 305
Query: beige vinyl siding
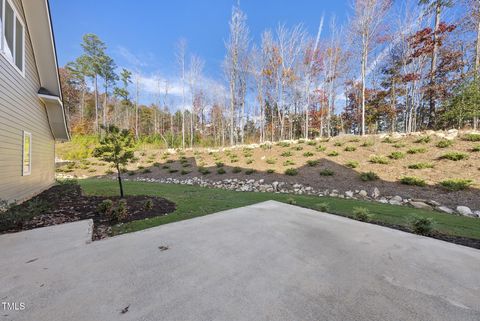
x: 21, y: 110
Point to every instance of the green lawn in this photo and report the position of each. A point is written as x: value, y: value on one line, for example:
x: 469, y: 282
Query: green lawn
x: 193, y: 201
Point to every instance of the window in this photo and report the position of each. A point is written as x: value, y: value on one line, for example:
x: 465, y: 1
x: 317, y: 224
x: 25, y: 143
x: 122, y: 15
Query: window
x: 12, y: 35
x: 27, y: 154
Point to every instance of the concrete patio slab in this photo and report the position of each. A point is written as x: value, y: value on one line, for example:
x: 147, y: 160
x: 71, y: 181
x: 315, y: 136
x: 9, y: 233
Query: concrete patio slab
x: 268, y: 261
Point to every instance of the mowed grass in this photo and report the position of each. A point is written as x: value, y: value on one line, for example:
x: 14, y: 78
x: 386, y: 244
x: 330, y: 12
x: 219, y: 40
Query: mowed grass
x: 194, y: 201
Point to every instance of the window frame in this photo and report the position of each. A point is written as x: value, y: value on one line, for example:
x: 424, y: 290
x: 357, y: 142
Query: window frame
x: 16, y: 17
x: 27, y: 173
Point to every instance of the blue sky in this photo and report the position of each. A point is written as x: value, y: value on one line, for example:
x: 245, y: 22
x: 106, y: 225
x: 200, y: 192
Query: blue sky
x: 141, y: 35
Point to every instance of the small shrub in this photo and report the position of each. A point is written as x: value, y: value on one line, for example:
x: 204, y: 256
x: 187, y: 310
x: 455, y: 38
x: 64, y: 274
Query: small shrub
x: 321, y: 148
x: 297, y: 148
x: 333, y: 153
x: 141, y: 167
x: 146, y: 171
x: 455, y: 156
x: 352, y: 164
x: 121, y: 211
x: 367, y: 144
x: 338, y: 144
x: 327, y: 172
x: 354, y: 140
x: 311, y: 143
x: 422, y: 225
x: 416, y: 150
x: 388, y: 140
x: 399, y: 145
x: 148, y: 205
x: 236, y: 170
x: 204, y: 171
x: 169, y: 161
x: 472, y: 137
x: 444, y: 143
x: 283, y: 144
x: 368, y: 176
x: 249, y: 161
x: 219, y: 164
x: 185, y: 172
x: 108, y: 172
x: 250, y: 171
x: 130, y: 173
x: 313, y: 162
x: 308, y: 154
x: 271, y: 161
x: 156, y: 164
x: 286, y: 154
x: 420, y: 166
x: 171, y: 171
x: 379, y: 159
x: 396, y: 155
x: 323, y: 207
x: 413, y: 181
x: 266, y: 146
x: 291, y: 201
x: 166, y: 166
x: 291, y: 172
x: 288, y: 162
x: 350, y: 148
x: 105, y: 207
x: 423, y: 140
x: 246, y: 155
x: 221, y: 171
x: 92, y: 170
x: 476, y: 148
x: 456, y: 184
x: 361, y: 214
x: 270, y: 171
x: 186, y: 165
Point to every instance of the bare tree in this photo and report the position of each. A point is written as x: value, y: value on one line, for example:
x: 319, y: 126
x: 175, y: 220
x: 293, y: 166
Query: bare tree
x: 369, y: 15
x: 194, y: 75
x: 181, y: 56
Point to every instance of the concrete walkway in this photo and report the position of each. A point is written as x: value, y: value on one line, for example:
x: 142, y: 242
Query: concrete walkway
x: 268, y: 261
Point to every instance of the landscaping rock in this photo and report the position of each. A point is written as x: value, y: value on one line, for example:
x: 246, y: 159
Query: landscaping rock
x: 465, y: 211
x: 363, y: 193
x: 349, y: 194
x: 376, y: 193
x: 420, y: 205
x: 445, y: 209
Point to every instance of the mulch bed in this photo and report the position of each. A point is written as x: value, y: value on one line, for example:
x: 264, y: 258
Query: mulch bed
x: 66, y: 203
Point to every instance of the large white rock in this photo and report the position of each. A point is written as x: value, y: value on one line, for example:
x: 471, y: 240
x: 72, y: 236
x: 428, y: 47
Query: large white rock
x: 376, y: 193
x: 445, y: 209
x: 420, y: 205
x: 465, y: 211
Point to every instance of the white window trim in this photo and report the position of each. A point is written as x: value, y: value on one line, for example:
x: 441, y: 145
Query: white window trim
x: 24, y: 173
x: 2, y: 51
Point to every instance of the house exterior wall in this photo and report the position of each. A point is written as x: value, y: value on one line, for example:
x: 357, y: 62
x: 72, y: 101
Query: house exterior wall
x: 21, y: 110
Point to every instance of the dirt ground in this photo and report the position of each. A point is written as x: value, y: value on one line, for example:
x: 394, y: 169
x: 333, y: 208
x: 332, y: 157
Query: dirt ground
x: 71, y: 206
x: 268, y: 163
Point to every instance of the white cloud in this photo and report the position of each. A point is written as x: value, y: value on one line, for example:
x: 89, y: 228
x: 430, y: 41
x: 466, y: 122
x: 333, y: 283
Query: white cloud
x: 136, y: 60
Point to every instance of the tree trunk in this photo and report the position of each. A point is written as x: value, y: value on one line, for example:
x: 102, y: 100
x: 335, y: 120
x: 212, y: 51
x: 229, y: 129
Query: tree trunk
x: 433, y: 67
x: 120, y: 181
x: 96, y: 103
x: 105, y: 102
x: 476, y: 67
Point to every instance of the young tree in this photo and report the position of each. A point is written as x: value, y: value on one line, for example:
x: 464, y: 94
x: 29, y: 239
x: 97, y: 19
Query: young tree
x: 124, y: 94
x: 107, y: 72
x: 116, y: 147
x: 181, y: 53
x: 369, y: 15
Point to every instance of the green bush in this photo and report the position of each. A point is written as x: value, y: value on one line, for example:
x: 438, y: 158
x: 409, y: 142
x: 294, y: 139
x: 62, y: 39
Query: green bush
x: 476, y: 148
x: 185, y: 172
x: 291, y: 201
x: 399, y: 145
x: 249, y: 161
x: 421, y: 166
x: 313, y: 162
x: 422, y: 225
x: 130, y: 173
x: 350, y: 148
x: 333, y: 153
x: 444, y: 143
x: 221, y: 171
x: 308, y: 154
x: 203, y: 170
x: 472, y: 137
x: 388, y: 140
x: 368, y: 176
x: 109, y: 172
x: 321, y: 148
x: 105, y: 207
x: 301, y: 141
x: 297, y: 148
x: 250, y: 171
x: 455, y: 156
x: 327, y: 172
x: 283, y: 144
x: 219, y: 164
x: 423, y: 140
x: 236, y: 170
x: 397, y: 155
x: 323, y: 207
x: 271, y: 161
x: 171, y: 171
x: 361, y: 214
x: 270, y: 171
x: 291, y: 172
x: 367, y: 144
x: 338, y: 144
x: 156, y: 164
x: 417, y: 150
x: 148, y: 205
x: 352, y: 164
x: 379, y: 159
x: 286, y: 154
x: 412, y: 180
x: 121, y: 211
x: 165, y: 166
x: 288, y: 162
x: 311, y: 143
x: 354, y: 140
x: 456, y: 184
